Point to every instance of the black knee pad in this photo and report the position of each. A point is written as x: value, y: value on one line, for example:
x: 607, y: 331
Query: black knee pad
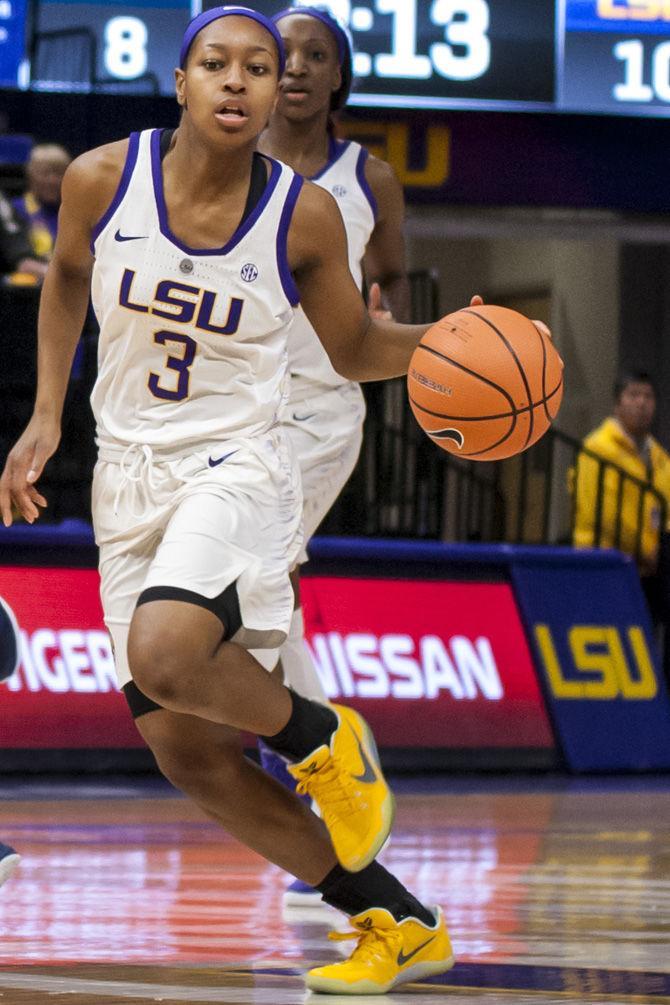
x: 138, y: 703
x: 226, y: 607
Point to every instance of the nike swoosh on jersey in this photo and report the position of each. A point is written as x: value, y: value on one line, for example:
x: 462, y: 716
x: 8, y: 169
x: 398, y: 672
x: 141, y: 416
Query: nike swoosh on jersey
x: 220, y: 460
x: 303, y: 418
x: 402, y: 959
x: 369, y: 773
x: 118, y: 236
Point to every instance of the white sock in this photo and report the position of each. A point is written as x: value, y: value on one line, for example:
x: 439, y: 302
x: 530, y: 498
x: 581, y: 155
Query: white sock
x: 299, y: 670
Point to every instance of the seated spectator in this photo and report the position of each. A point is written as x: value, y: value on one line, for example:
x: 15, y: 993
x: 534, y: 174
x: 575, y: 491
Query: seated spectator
x: 38, y: 208
x: 612, y: 511
x: 18, y: 263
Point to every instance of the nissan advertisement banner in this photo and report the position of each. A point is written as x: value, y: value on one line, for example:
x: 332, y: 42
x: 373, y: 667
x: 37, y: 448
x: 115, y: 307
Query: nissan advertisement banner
x: 430, y: 664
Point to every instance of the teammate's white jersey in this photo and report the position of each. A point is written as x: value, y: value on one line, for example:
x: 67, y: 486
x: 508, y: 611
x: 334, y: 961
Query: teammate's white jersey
x: 344, y: 177
x: 193, y: 345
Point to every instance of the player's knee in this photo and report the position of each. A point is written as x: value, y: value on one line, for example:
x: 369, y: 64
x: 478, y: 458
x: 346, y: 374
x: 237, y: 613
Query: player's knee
x: 159, y: 662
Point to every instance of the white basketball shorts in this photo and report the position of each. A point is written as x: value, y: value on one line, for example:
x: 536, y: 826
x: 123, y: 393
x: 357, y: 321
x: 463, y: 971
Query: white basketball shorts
x: 228, y: 514
x: 326, y: 432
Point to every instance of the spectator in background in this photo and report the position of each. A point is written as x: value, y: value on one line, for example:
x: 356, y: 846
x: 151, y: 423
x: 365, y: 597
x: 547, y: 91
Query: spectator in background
x: 614, y: 515
x: 38, y: 208
x: 17, y: 260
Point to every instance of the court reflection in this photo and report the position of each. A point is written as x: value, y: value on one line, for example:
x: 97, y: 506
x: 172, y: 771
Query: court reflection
x: 562, y: 892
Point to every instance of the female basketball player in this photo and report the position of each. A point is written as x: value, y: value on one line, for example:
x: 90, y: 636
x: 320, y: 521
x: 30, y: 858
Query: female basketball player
x: 199, y: 252
x: 324, y: 418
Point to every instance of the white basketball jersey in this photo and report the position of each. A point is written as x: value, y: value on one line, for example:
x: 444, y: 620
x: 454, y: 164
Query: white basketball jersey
x: 192, y: 342
x: 344, y: 177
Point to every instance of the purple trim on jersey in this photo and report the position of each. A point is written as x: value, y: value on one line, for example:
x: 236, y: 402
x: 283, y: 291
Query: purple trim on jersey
x: 242, y: 230
x: 202, y: 20
x: 335, y: 150
x: 324, y: 17
x: 287, y: 280
x: 363, y: 182
x: 122, y: 188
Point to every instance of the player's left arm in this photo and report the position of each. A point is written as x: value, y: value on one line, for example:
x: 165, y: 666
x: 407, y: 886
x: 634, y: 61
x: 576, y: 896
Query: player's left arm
x: 384, y: 264
x: 360, y: 347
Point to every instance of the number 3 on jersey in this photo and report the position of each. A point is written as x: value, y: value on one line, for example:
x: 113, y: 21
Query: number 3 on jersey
x: 180, y: 364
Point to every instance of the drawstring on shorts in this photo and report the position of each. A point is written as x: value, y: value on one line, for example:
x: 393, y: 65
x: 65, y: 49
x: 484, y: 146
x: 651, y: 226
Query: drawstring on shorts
x: 136, y: 462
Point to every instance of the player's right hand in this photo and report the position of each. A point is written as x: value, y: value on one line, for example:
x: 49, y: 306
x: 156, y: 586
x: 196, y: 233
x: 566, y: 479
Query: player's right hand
x: 24, y: 466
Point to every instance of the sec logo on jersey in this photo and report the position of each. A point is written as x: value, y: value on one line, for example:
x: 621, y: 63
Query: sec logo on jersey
x: 249, y: 272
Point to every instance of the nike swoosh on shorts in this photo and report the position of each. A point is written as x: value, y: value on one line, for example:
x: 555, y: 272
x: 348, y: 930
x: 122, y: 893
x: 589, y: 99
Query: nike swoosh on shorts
x: 220, y: 460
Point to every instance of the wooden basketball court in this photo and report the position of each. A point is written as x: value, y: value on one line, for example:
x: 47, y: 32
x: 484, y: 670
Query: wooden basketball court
x: 556, y: 891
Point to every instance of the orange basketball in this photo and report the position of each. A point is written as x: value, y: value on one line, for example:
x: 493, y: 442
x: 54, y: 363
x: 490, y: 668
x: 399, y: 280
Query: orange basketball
x: 484, y: 383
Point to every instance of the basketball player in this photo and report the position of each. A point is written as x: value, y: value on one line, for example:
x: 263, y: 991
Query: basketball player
x: 199, y: 252
x: 325, y: 413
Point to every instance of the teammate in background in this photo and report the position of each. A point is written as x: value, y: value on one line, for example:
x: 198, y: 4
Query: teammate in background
x: 39, y: 206
x: 199, y: 251
x: 9, y: 660
x: 325, y: 413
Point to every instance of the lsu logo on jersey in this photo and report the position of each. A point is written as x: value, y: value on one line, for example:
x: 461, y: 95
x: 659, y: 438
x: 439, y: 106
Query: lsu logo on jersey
x: 599, y: 668
x: 182, y: 304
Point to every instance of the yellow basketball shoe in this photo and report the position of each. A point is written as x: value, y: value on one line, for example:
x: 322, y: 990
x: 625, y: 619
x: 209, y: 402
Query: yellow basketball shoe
x: 388, y: 953
x: 345, y: 780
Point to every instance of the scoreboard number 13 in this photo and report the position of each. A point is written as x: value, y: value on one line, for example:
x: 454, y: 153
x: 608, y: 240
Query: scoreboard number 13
x: 465, y: 53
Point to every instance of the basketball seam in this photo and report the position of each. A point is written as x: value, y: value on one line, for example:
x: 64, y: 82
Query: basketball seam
x: 473, y: 373
x: 516, y: 359
x: 486, y: 418
x: 544, y: 373
x: 476, y: 453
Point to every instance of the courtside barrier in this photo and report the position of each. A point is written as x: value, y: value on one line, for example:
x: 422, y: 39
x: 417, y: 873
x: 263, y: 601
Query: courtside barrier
x: 459, y: 655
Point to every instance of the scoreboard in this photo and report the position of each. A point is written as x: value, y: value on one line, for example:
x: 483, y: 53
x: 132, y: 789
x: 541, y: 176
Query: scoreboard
x: 616, y: 56
x: 593, y: 56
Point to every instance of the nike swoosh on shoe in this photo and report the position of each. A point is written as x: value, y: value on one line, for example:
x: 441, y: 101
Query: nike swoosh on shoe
x: 369, y: 773
x: 402, y: 959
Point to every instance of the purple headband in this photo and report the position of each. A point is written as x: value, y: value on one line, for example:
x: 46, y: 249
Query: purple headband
x: 202, y: 20
x: 338, y: 33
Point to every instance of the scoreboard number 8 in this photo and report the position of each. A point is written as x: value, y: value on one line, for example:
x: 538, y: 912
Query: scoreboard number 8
x: 125, y: 55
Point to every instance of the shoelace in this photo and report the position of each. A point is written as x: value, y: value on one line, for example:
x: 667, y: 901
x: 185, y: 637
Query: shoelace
x: 372, y: 944
x: 331, y: 785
